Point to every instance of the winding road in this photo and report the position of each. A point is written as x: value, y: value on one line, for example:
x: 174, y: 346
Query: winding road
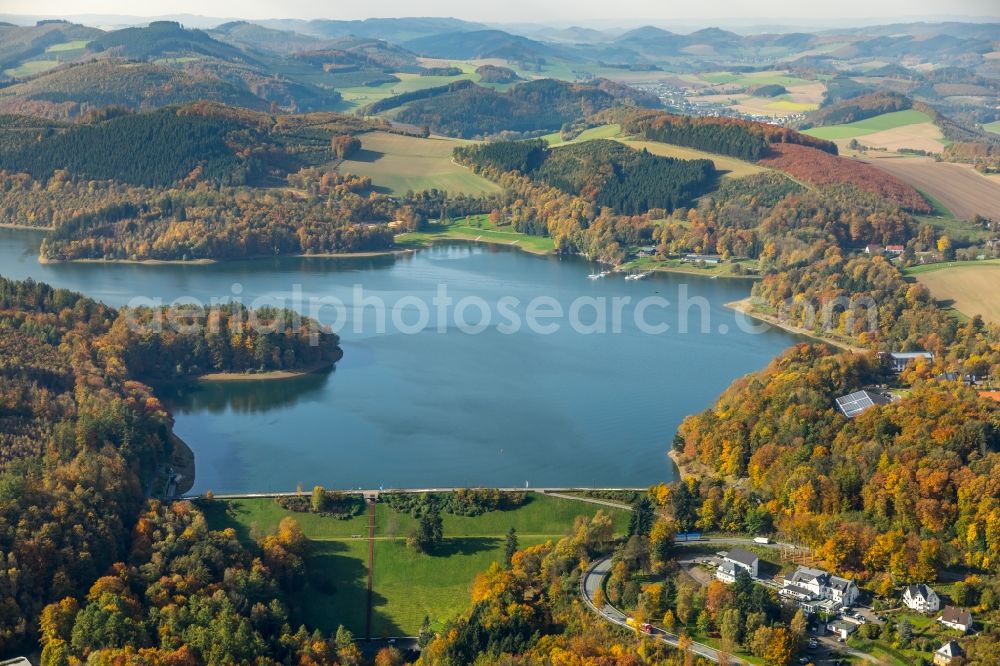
x: 591, y: 581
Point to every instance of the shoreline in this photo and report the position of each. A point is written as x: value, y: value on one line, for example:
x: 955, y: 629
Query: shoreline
x: 743, y: 306
x: 208, y: 261
x: 182, y: 461
x: 700, y: 273
x: 485, y: 241
x: 273, y: 375
x: 139, y: 262
x: 23, y: 227
x: 683, y: 472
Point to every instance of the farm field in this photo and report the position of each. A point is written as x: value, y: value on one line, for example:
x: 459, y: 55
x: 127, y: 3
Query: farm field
x: 733, y: 168
x: 397, y: 163
x: 957, y: 187
x: 920, y: 136
x: 408, y: 585
x: 880, y: 123
x: 968, y: 287
x: 993, y: 127
x: 475, y: 228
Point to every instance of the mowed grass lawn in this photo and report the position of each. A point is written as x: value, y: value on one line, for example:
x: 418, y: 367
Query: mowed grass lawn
x: 408, y: 585
x: 397, y: 163
x: 880, y: 123
x: 971, y: 287
x: 475, y: 228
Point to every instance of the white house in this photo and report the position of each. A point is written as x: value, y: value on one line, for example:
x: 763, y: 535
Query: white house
x: 735, y: 560
x: 921, y: 598
x: 949, y: 654
x: 959, y: 619
x: 808, y: 584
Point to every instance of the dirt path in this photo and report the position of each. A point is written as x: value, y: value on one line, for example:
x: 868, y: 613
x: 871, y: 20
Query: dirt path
x: 371, y: 567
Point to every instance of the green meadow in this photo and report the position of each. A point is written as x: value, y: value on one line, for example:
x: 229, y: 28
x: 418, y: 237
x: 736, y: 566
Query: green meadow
x: 408, y: 585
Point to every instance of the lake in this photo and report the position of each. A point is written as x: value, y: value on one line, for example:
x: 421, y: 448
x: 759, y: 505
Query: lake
x: 468, y: 403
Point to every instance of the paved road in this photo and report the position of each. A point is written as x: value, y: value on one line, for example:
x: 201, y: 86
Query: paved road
x: 591, y: 581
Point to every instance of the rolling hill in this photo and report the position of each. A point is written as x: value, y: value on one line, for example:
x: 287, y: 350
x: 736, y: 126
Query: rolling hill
x: 49, y: 42
x: 162, y: 39
x: 470, y: 45
x: 467, y: 111
x: 72, y: 90
x: 222, y: 144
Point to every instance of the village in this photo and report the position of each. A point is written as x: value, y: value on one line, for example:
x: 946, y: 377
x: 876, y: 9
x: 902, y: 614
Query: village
x: 837, y: 609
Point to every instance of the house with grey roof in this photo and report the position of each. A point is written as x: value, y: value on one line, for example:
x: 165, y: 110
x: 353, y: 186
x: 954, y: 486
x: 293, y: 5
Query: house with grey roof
x: 733, y: 561
x: 808, y: 585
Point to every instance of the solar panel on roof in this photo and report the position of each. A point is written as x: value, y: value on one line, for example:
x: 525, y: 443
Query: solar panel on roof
x: 855, y: 403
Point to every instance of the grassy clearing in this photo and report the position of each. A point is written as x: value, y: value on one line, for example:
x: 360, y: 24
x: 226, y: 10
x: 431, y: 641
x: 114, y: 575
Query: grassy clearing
x: 599, y: 132
x: 958, y: 229
x: 724, y: 270
x: 993, y: 127
x: 732, y: 167
x: 397, y: 163
x: 408, y: 585
x: 969, y: 287
x: 31, y: 68
x: 75, y: 45
x: 475, y: 228
x: 358, y: 96
x: 880, y: 123
x: 411, y: 585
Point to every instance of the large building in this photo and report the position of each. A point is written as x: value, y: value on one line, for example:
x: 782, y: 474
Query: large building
x: 815, y: 588
x: 735, y: 560
x: 899, y: 360
x: 921, y: 598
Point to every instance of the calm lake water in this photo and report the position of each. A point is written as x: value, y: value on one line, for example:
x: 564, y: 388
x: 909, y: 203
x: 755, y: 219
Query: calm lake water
x: 437, y: 409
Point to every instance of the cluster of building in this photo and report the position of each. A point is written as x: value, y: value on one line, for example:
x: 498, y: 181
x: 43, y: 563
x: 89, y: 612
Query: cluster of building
x: 815, y: 590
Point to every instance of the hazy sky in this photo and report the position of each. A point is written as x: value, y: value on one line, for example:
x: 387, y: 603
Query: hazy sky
x: 518, y: 11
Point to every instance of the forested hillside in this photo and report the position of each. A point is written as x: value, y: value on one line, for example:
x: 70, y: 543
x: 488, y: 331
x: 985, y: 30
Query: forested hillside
x: 71, y: 91
x: 469, y: 111
x: 607, y: 172
x: 892, y: 495
x: 820, y: 168
x: 214, y: 143
x: 82, y: 442
x: 745, y: 139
